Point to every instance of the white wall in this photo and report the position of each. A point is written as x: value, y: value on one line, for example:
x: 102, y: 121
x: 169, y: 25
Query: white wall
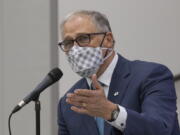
x: 28, y: 39
x: 143, y: 29
x: 1, y: 71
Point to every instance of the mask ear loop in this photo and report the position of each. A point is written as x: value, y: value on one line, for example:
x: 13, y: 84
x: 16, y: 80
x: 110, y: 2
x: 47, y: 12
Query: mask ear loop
x: 102, y: 44
x: 106, y: 54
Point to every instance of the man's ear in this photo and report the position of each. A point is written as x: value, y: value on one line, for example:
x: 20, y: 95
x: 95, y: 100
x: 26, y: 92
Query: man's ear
x: 109, y: 40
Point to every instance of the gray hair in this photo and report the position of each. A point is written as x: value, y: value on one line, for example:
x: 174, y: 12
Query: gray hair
x: 100, y: 20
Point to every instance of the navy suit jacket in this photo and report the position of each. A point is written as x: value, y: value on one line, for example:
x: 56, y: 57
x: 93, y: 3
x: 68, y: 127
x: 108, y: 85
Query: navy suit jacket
x: 147, y: 92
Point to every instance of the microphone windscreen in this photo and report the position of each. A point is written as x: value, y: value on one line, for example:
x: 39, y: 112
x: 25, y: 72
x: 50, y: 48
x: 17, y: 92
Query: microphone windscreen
x: 55, y: 74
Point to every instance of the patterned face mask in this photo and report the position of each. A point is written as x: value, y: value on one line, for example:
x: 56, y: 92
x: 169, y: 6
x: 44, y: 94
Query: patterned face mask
x: 85, y: 61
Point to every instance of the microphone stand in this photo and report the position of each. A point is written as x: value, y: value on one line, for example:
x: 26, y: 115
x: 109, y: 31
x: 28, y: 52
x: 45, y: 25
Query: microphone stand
x: 37, y: 111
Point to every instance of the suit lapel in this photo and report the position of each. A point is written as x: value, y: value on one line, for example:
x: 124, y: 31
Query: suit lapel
x: 118, y: 86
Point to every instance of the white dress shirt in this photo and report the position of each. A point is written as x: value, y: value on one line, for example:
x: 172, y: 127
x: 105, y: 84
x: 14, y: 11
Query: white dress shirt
x: 105, y: 78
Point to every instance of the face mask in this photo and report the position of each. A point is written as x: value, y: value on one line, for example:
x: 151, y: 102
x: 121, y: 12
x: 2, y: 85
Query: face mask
x: 85, y: 61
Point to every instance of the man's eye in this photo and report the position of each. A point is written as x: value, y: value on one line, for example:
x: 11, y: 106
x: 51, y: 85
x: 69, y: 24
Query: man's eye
x: 68, y: 42
x: 83, y: 39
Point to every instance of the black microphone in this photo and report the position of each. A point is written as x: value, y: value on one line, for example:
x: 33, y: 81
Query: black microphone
x: 53, y: 76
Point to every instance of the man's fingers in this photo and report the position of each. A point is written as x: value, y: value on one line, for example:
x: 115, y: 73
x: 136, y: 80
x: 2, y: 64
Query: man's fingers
x: 78, y: 104
x: 84, y: 92
x: 79, y: 110
x: 78, y: 98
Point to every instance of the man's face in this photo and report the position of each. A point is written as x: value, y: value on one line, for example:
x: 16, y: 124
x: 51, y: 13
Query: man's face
x: 78, y: 25
x: 74, y: 32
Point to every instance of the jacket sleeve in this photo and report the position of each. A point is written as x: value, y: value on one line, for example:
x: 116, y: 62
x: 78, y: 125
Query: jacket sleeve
x: 62, y: 129
x: 158, y: 106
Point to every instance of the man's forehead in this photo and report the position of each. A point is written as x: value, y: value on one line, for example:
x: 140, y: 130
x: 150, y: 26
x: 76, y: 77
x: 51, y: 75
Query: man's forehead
x: 78, y: 24
x: 79, y: 17
x: 79, y: 21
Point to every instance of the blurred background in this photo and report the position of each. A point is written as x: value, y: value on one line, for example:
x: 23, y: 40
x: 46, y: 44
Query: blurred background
x: 145, y: 30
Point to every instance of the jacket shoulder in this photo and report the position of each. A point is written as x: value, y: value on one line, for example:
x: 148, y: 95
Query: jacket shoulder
x: 146, y: 68
x: 77, y: 85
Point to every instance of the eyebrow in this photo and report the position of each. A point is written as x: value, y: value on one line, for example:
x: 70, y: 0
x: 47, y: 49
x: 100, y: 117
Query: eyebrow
x: 81, y: 34
x: 68, y: 38
x: 78, y: 34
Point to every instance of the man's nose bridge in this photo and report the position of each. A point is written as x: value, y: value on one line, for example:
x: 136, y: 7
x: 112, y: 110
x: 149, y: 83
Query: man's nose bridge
x: 75, y: 42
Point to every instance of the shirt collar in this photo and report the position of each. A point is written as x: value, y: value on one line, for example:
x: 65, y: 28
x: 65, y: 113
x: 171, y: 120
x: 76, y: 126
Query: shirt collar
x: 105, y: 78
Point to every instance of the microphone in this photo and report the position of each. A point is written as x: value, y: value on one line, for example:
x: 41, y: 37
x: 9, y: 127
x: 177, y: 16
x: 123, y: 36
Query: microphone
x: 53, y: 76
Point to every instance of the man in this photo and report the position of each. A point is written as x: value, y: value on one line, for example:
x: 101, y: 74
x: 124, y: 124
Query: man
x: 115, y: 96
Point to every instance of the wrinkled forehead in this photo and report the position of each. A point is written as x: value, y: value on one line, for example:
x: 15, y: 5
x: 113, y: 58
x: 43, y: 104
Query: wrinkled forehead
x: 78, y: 24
